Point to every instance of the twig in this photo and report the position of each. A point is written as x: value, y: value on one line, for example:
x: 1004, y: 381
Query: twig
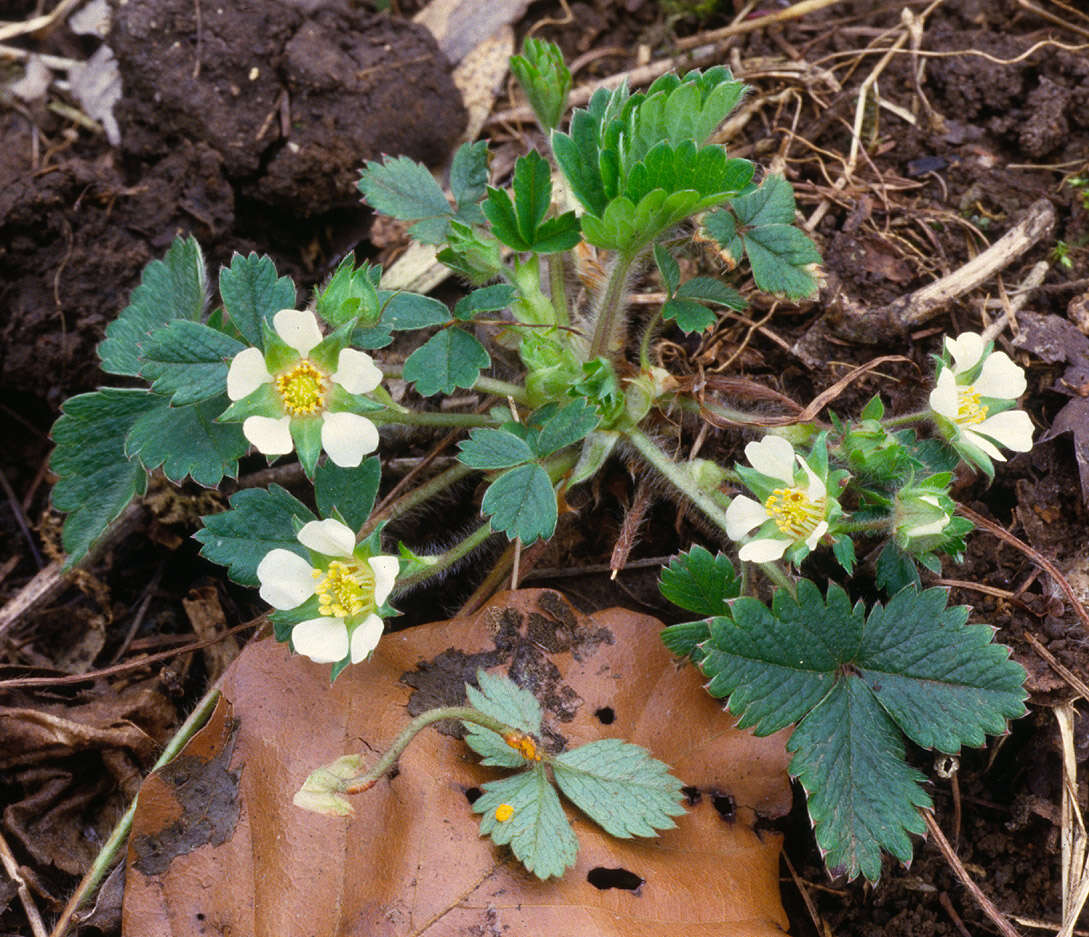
x: 27, y: 899
x: 20, y: 519
x: 1073, y: 680
x: 1013, y: 306
x: 1052, y: 18
x: 41, y: 25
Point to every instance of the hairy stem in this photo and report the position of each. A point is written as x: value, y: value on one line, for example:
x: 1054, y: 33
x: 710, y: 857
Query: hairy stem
x: 418, y: 496
x: 557, y: 282
x: 441, y: 561
x: 775, y: 573
x: 610, y: 308
x: 486, y: 385
x: 916, y: 416
x: 644, y: 343
x: 430, y: 418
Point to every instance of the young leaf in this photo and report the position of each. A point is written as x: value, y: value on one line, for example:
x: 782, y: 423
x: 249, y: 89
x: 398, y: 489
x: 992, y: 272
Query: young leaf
x: 690, y: 316
x: 545, y: 78
x: 488, y: 449
x: 711, y: 290
x: 502, y: 699
x: 532, y: 193
x: 521, y: 503
x: 404, y: 311
x: 349, y: 295
x: 450, y: 359
x: 257, y: 522
x: 501, y: 215
x: 175, y: 287
x: 95, y: 479
x: 565, y: 427
x: 252, y: 294
x: 468, y: 177
x: 620, y: 787
x: 699, y: 582
x: 493, y: 298
x: 188, y: 361
x: 537, y: 830
x: 351, y: 491
x: 406, y: 190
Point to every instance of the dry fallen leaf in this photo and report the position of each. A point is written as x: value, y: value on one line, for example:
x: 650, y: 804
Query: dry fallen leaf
x: 205, y: 859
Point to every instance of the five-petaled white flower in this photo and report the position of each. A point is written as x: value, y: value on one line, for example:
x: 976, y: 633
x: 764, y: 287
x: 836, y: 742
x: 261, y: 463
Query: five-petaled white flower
x: 974, y: 396
x: 350, y: 588
x: 794, y: 512
x: 300, y: 394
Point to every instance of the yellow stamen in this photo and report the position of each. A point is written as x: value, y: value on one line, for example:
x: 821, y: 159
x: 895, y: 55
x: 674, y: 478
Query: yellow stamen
x: 969, y: 410
x: 794, y: 512
x: 523, y: 744
x: 302, y: 389
x: 347, y: 590
x: 504, y: 812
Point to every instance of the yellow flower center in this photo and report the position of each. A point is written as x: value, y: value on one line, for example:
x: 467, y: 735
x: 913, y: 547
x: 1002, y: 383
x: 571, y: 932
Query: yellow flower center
x: 794, y: 512
x: 504, y: 812
x: 347, y: 589
x: 302, y: 389
x: 969, y: 410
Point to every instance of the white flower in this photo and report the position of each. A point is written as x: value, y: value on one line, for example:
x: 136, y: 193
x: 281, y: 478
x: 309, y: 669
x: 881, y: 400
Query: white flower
x: 350, y: 588
x: 314, y: 384
x: 798, y: 511
x: 959, y: 400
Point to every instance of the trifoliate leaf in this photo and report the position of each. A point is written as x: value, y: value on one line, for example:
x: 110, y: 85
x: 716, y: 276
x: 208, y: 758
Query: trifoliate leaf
x: 565, y: 426
x: 488, y: 449
x: 404, y: 311
x: 620, y: 787
x: 96, y: 480
x: 537, y: 829
x: 188, y: 441
x: 252, y: 294
x: 406, y: 190
x: 521, y: 503
x: 175, y: 287
x: 351, y: 491
x: 863, y: 796
x: 690, y: 316
x: 699, y: 582
x: 710, y: 290
x: 257, y: 522
x: 468, y: 177
x: 449, y: 359
x: 188, y: 361
x: 493, y: 298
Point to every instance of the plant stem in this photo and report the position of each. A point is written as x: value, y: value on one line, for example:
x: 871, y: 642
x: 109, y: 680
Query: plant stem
x: 430, y: 418
x: 366, y: 781
x: 610, y: 308
x: 880, y: 525
x: 486, y: 385
x: 644, y: 343
x: 916, y: 416
x: 557, y: 283
x: 418, y: 496
x: 775, y: 573
x: 678, y: 476
x: 441, y: 561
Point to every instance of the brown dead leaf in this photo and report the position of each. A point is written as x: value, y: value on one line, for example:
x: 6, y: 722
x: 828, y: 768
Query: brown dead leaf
x: 205, y: 614
x: 411, y: 862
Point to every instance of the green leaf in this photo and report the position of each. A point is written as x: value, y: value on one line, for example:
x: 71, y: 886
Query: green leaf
x: 350, y: 491
x: 405, y: 311
x: 863, y: 796
x: 565, y: 426
x: 557, y: 234
x: 257, y: 522
x: 349, y: 295
x: 895, y: 569
x: 488, y: 449
x: 468, y: 177
x: 675, y: 168
x: 253, y: 294
x: 668, y: 267
x: 188, y: 361
x: 778, y: 255
x: 95, y: 479
x: 521, y: 503
x: 684, y: 639
x: 538, y: 832
x: 175, y: 287
x: 501, y: 698
x: 406, y: 190
x: 699, y: 582
x: 493, y: 298
x: 843, y: 548
x: 532, y: 193
x: 187, y: 441
x: 690, y: 316
x: 772, y: 203
x: 620, y: 787
x: 710, y: 290
x: 499, y: 210
x: 545, y: 78
x: 449, y: 359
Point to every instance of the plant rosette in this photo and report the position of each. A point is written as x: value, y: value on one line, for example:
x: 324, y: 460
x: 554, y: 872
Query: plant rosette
x: 974, y: 399
x: 334, y: 600
x: 794, y: 510
x: 303, y: 392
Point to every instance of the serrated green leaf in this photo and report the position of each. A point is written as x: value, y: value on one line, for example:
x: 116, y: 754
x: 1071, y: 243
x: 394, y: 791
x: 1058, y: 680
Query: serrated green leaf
x: 489, y: 745
x: 521, y: 503
x: 863, y: 796
x: 684, y: 639
x: 403, y: 311
x: 620, y: 787
x: 188, y: 361
x: 488, y: 449
x: 350, y: 491
x: 404, y: 189
x: 538, y: 832
x: 501, y: 698
x: 843, y: 548
x: 252, y: 294
x: 710, y: 290
x: 778, y: 255
x: 532, y: 193
x: 468, y: 177
x: 499, y: 210
x: 690, y: 316
x: 895, y: 569
x: 95, y: 480
x: 565, y: 426
x: 557, y: 234
x: 699, y: 582
x: 257, y: 522
x: 668, y: 267
x: 493, y: 298
x: 187, y: 441
x: 449, y: 359
x: 175, y: 287
x: 772, y: 203
x: 720, y: 226
x: 674, y: 168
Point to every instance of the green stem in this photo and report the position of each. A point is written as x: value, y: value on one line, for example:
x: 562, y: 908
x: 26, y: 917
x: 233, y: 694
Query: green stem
x: 775, y: 573
x: 916, y: 416
x: 678, y: 476
x: 880, y: 525
x: 489, y: 385
x: 557, y: 283
x: 610, y: 308
x: 441, y: 561
x: 430, y: 418
x: 418, y: 496
x: 728, y: 414
x: 644, y: 343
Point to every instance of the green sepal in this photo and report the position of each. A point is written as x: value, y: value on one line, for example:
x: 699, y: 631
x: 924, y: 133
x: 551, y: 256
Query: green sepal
x: 306, y: 435
x: 252, y: 294
x: 264, y: 401
x: 347, y: 491
x: 284, y: 620
x: 349, y: 294
x: 843, y: 548
x: 326, y: 354
x: 279, y: 355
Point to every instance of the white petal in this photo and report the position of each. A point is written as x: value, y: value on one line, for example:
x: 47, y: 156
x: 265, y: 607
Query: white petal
x: 246, y: 373
x: 270, y: 436
x: 814, y: 538
x: 323, y: 640
x: 742, y: 515
x: 772, y: 456
x: 1011, y: 428
x: 1000, y: 377
x: 347, y: 437
x: 287, y: 580
x: 931, y: 499
x: 385, y: 569
x: 365, y: 637
x: 816, y: 489
x: 965, y: 349
x: 329, y: 536
x: 299, y: 328
x: 927, y: 530
x: 763, y: 551
x: 943, y: 398
x: 985, y: 444
x: 356, y: 372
